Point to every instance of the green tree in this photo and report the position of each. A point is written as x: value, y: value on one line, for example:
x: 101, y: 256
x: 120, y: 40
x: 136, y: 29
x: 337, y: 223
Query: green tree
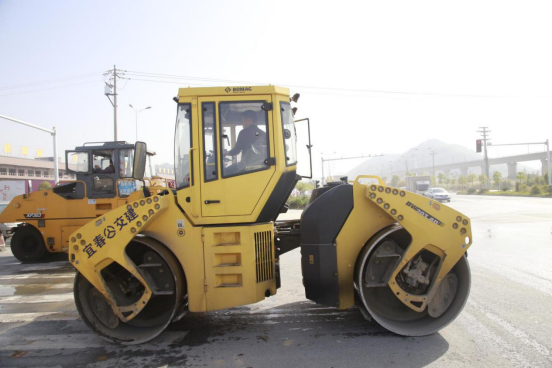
x: 441, y: 177
x: 506, y: 185
x: 45, y: 185
x: 520, y: 177
x: 483, y: 179
x: 497, y: 178
x: 302, y: 187
x: 471, y: 178
x: 395, y: 180
x: 535, y: 190
x: 462, y: 180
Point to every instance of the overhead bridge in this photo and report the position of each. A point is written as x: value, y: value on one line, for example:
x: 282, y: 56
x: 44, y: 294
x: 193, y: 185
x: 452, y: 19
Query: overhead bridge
x: 511, y: 161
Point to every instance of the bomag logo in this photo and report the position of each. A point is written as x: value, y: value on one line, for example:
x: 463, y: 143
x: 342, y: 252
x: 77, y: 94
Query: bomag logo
x: 238, y: 89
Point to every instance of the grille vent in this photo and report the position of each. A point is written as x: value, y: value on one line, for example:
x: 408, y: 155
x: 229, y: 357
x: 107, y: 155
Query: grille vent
x: 263, y: 256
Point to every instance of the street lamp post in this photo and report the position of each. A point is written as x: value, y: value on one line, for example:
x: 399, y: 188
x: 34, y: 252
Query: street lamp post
x: 136, y: 111
x: 53, y: 132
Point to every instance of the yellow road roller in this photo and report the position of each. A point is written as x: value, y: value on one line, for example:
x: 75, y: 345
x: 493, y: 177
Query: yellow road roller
x: 214, y: 242
x: 46, y: 218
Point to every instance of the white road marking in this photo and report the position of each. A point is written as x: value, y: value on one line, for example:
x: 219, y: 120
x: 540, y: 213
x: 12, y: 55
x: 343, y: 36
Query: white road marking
x: 63, y: 285
x: 44, y: 316
x: 26, y: 299
x: 37, y: 276
x: 43, y: 266
x: 496, y: 345
x: 520, y: 335
x: 81, y: 341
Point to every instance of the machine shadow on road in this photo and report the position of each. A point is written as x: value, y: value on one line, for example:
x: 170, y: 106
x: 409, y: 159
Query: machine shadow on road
x: 302, y: 331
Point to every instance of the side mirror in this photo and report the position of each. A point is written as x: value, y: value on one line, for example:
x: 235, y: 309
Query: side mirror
x: 140, y: 153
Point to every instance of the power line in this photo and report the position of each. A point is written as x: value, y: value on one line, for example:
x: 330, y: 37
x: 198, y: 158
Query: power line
x: 64, y: 79
x: 337, y: 89
x: 157, y: 81
x: 47, y: 89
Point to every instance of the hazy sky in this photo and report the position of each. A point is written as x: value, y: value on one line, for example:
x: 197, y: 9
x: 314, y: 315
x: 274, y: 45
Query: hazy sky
x: 454, y: 66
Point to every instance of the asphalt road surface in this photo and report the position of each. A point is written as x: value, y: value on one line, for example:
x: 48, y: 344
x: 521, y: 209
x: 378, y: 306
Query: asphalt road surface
x: 506, y: 322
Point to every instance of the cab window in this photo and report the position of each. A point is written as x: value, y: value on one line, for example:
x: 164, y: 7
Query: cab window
x: 78, y: 161
x: 126, y: 157
x: 244, y: 137
x: 289, y: 133
x: 209, y: 141
x: 103, y: 162
x: 182, y: 145
x: 103, y: 184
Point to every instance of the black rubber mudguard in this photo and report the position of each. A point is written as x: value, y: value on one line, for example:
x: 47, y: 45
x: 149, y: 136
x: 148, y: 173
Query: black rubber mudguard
x: 321, y: 222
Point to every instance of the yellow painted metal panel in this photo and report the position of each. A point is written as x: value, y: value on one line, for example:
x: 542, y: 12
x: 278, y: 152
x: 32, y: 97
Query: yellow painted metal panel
x: 232, y: 91
x: 233, y: 285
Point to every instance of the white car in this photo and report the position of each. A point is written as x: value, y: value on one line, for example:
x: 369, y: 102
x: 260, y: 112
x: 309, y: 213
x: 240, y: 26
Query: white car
x: 6, y: 229
x: 438, y: 194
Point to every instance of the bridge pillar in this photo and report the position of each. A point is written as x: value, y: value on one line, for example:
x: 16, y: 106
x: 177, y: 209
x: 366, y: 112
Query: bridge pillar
x: 447, y: 173
x: 463, y: 171
x: 512, y: 170
x: 483, y: 169
x: 544, y: 169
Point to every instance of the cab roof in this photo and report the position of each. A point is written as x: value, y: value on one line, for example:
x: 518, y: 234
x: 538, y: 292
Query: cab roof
x: 232, y: 91
x: 97, y: 146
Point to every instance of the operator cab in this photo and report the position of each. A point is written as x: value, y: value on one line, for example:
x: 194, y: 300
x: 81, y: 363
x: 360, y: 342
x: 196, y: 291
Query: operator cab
x: 235, y: 153
x: 103, y: 170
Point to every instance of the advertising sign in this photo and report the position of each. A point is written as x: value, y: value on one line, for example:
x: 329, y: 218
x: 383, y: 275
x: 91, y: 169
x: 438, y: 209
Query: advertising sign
x: 10, y: 189
x: 126, y: 187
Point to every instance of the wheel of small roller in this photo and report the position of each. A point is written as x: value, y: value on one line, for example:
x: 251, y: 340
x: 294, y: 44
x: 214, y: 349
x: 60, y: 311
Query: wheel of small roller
x: 27, y: 244
x: 152, y: 320
x: 393, y: 315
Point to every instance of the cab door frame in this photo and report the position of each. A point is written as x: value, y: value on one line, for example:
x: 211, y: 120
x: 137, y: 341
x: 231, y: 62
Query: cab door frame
x: 227, y: 196
x: 189, y: 197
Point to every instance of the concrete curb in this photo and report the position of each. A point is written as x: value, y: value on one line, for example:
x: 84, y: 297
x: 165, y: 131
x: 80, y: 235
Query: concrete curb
x: 504, y: 195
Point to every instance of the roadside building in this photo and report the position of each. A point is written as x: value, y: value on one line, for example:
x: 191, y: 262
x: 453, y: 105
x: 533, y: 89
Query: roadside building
x: 20, y: 175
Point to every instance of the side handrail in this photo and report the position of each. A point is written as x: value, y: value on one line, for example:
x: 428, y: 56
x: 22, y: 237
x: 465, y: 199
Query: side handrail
x: 190, y: 158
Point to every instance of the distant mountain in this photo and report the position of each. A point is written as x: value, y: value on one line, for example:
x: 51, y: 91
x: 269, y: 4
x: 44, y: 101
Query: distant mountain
x: 420, y: 157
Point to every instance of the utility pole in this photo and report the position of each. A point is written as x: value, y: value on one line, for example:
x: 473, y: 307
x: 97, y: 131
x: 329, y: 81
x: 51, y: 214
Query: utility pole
x: 548, y: 164
x: 115, y: 101
x: 484, y: 133
x: 433, y: 153
x: 114, y: 74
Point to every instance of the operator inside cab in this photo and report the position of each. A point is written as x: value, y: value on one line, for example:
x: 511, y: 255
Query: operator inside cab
x: 251, y: 144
